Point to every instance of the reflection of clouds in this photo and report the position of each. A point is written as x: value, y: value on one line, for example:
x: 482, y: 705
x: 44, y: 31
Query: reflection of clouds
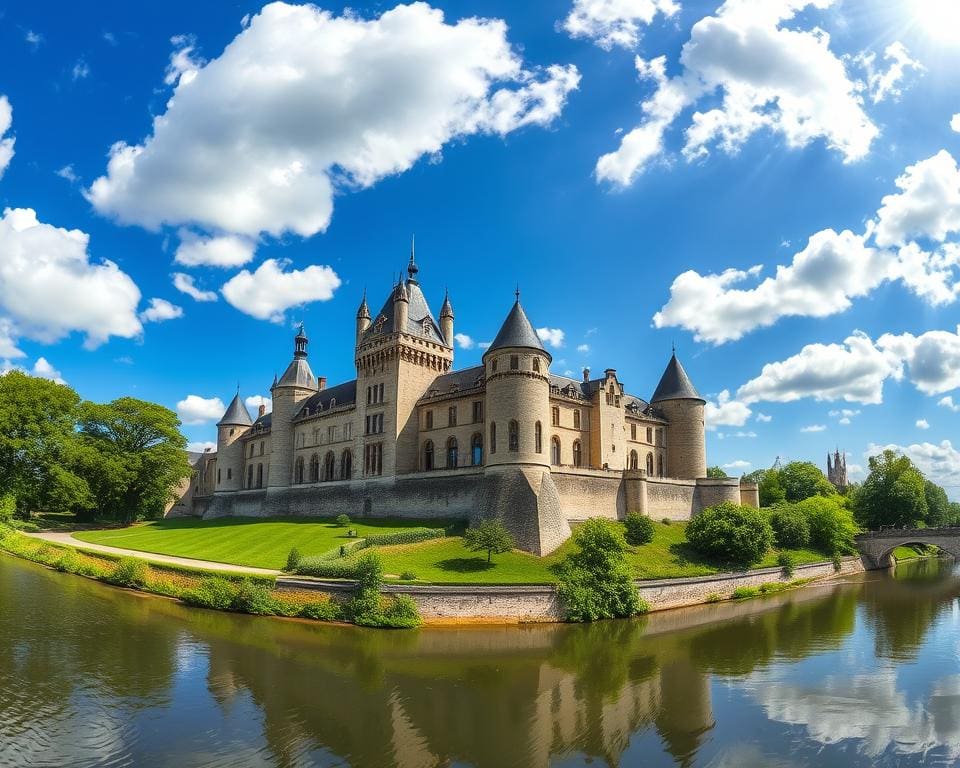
x: 868, y: 708
x: 748, y: 756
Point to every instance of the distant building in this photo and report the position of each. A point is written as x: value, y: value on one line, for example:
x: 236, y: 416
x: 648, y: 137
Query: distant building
x: 837, y: 470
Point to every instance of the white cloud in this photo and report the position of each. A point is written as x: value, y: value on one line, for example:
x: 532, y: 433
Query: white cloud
x: 160, y: 310
x: 194, y: 409
x: 955, y: 122
x: 185, y: 284
x: 484, y: 344
x: 49, y: 287
x: 844, y: 415
x: 302, y: 104
x: 464, y: 341
x: 822, y: 279
x: 68, y: 173
x: 764, y: 418
x: 883, y: 84
x: 551, y: 336
x: 222, y: 251
x: 185, y: 62
x: 933, y: 358
x: 255, y: 401
x: 927, y: 205
x: 267, y: 293
x: 33, y: 38
x: 614, y: 22
x: 814, y: 428
x: 853, y: 371
x: 947, y: 402
x: 41, y: 369
x: 8, y: 341
x: 770, y: 77
x: 737, y: 464
x: 922, y: 424
x: 201, y: 446
x: 6, y: 144
x: 583, y: 349
x: 938, y: 462
x: 80, y: 70
x: 739, y: 434
x: 725, y: 412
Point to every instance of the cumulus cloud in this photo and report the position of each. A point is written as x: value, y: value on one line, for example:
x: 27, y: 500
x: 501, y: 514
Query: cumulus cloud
x: 947, y: 402
x: 222, y: 251
x: 302, y: 104
x: 464, y: 341
x: 185, y: 62
x: 737, y: 464
x: 844, y: 415
x: 927, y: 205
x: 772, y: 77
x: 6, y: 142
x: 610, y: 23
x: 41, y: 369
x: 255, y: 401
x: 194, y: 409
x: 185, y: 284
x: 267, y: 293
x: 883, y: 84
x: 159, y: 310
x: 938, y: 462
x: 955, y: 122
x: 922, y: 424
x: 201, y: 446
x: 50, y: 288
x: 552, y: 337
x: 764, y: 418
x: 725, y: 412
x: 933, y: 358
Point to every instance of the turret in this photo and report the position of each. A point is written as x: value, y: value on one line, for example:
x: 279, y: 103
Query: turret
x: 518, y: 394
x: 295, y: 386
x: 401, y: 308
x: 363, y: 317
x: 234, y: 423
x: 446, y: 321
x: 681, y: 404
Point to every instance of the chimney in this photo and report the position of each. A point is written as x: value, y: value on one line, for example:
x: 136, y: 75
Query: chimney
x: 322, y: 383
x: 586, y: 374
x: 261, y: 410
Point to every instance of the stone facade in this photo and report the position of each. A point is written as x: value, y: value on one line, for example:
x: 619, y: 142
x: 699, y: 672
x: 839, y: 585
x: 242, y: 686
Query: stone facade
x: 410, y: 436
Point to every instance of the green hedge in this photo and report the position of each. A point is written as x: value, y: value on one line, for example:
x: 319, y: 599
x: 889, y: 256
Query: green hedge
x: 323, y: 568
x: 409, y: 536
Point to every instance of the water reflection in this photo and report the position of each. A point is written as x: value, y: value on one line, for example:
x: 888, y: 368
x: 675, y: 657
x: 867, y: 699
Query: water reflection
x: 859, y: 673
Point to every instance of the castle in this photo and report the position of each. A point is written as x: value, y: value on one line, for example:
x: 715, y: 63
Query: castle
x: 412, y: 437
x: 837, y: 470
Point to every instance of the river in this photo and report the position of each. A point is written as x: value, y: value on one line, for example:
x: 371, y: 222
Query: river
x: 860, y: 672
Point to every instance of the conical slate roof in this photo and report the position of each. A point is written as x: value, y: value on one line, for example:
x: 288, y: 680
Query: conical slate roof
x: 517, y: 331
x: 236, y: 414
x: 675, y: 384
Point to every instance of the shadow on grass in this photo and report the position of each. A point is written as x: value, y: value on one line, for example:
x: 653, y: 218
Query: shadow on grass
x: 452, y: 527
x: 465, y: 564
x: 685, y: 555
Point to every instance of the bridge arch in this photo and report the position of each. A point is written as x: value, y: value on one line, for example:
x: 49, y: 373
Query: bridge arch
x: 877, y: 547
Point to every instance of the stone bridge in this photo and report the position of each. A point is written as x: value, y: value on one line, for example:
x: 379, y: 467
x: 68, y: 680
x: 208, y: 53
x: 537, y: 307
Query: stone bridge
x: 877, y: 546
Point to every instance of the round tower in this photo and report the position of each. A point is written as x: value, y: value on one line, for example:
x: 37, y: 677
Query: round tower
x: 401, y: 308
x: 295, y: 386
x: 363, y: 317
x: 235, y: 422
x: 681, y: 404
x: 446, y: 321
x: 518, y: 394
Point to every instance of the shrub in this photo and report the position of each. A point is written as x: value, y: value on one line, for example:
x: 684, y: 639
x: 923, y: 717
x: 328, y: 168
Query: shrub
x: 667, y: 521
x: 8, y: 506
x: 713, y: 597
x: 642, y: 606
x: 639, y: 529
x: 25, y: 525
x: 409, y: 536
x: 322, y: 610
x: 254, y: 598
x: 837, y: 562
x: 293, y: 560
x: 595, y: 581
x: 831, y: 524
x: 786, y: 562
x: 343, y: 521
x: 130, y: 572
x: 213, y: 592
x: 732, y: 533
x: 69, y: 563
x: 741, y: 593
x: 401, y: 613
x: 323, y: 568
x: 791, y: 528
x: 489, y: 535
x: 408, y: 576
x: 365, y: 606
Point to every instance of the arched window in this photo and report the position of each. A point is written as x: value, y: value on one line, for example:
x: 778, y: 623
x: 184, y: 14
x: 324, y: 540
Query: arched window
x: 259, y: 475
x: 453, y: 453
x: 428, y: 455
x: 577, y: 454
x: 514, y: 436
x: 314, y: 468
x: 538, y: 437
x: 329, y: 465
x: 650, y: 464
x: 493, y: 437
x: 476, y: 449
x: 536, y: 365
x: 634, y: 460
x: 346, y: 465
x: 249, y: 476
x: 555, y: 451
x: 660, y: 466
x: 298, y: 470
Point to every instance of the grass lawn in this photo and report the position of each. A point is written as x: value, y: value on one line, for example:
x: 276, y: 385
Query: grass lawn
x: 913, y: 552
x: 264, y: 543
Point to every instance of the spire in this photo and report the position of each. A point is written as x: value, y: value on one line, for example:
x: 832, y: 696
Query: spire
x: 517, y: 331
x: 675, y: 384
x: 364, y: 310
x: 236, y: 414
x: 300, y: 342
x: 447, y: 309
x: 412, y: 267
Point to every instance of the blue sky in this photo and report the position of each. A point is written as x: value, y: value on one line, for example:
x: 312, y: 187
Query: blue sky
x: 614, y: 158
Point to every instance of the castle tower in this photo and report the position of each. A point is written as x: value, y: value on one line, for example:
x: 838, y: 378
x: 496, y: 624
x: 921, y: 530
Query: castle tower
x: 837, y: 470
x: 680, y: 402
x: 236, y: 420
x: 295, y: 386
x: 363, y: 317
x: 446, y: 321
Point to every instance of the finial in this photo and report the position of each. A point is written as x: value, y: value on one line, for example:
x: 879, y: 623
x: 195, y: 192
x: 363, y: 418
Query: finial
x: 673, y: 347
x: 238, y: 388
x: 412, y: 268
x: 517, y: 292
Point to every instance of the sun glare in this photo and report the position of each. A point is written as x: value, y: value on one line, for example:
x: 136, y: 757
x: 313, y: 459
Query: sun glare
x: 940, y: 19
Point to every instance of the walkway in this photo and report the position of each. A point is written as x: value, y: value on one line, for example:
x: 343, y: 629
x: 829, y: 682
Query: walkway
x: 64, y: 538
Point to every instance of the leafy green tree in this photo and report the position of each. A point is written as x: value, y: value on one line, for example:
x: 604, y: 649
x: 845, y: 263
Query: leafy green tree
x: 639, y: 529
x: 38, y: 445
x: 716, y: 472
x: 490, y: 536
x: 730, y: 532
x: 802, y: 479
x: 832, y: 526
x: 938, y: 505
x: 133, y: 457
x: 595, y: 581
x: 791, y: 527
x: 893, y: 494
x: 768, y: 486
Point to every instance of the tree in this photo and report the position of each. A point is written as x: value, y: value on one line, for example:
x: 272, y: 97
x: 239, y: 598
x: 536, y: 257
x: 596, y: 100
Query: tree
x: 768, y: 486
x: 730, y: 532
x: 490, y: 536
x: 802, y: 479
x: 38, y: 445
x: 832, y: 526
x: 595, y: 581
x: 716, y: 472
x: 791, y: 528
x: 939, y: 513
x: 134, y: 457
x: 893, y: 493
x: 639, y: 529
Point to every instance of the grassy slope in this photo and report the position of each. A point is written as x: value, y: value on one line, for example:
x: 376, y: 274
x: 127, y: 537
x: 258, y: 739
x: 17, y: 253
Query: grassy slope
x: 241, y: 541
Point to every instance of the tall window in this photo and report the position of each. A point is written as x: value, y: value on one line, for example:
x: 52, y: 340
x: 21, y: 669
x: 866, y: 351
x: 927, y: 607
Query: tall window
x: 536, y: 365
x: 347, y: 431
x: 633, y: 431
x: 555, y: 416
x: 218, y: 477
x: 576, y: 419
x: 314, y: 468
x: 514, y: 362
x: 452, y: 416
x: 374, y: 423
x: 538, y: 437
x: 634, y: 460
x: 493, y: 368
x: 453, y: 453
x: 259, y: 475
x: 329, y: 466
x: 250, y: 476
x: 514, y: 436
x: 298, y: 470
x: 477, y: 411
x: 493, y: 437
x: 650, y: 464
x: 261, y: 447
x: 428, y: 420
x: 476, y: 449
x: 251, y: 450
x: 660, y: 466
x: 332, y: 433
x: 650, y: 435
x: 428, y: 455
x: 373, y: 459
x: 346, y: 465
x: 577, y: 455
x: 555, y: 451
